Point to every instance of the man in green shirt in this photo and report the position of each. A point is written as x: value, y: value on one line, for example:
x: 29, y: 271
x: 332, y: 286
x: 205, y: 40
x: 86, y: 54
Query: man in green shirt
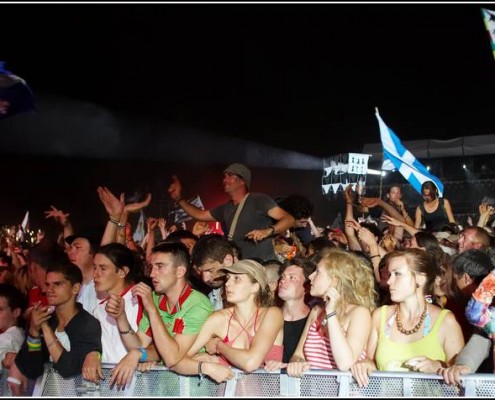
x: 173, y: 314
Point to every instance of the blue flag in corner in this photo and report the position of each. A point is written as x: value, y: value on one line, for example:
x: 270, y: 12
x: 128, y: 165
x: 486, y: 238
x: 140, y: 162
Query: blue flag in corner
x: 15, y: 95
x: 396, y: 156
x: 489, y: 20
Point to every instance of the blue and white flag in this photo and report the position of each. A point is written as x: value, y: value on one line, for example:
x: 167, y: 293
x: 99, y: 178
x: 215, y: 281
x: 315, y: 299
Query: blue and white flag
x: 396, y: 156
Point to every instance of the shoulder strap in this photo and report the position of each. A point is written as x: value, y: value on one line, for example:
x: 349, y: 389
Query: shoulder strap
x: 236, y: 217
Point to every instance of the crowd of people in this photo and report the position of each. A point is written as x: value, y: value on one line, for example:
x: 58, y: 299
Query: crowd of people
x: 273, y: 291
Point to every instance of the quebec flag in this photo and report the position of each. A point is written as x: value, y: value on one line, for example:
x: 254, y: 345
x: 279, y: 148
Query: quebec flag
x: 396, y: 156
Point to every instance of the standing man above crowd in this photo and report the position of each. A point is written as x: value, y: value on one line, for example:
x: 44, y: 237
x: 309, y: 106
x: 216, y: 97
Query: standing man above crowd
x: 255, y: 226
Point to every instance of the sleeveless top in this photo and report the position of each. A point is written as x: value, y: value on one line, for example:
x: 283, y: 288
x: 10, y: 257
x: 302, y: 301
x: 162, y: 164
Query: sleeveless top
x: 292, y: 334
x: 317, y: 349
x: 390, y: 355
x: 437, y: 219
x: 275, y: 353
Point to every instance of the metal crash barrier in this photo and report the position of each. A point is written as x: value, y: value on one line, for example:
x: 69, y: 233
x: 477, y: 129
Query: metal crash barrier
x: 161, y: 382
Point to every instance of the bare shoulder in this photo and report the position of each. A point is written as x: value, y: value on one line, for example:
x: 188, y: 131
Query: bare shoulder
x: 359, y: 311
x: 274, y: 312
x: 220, y: 315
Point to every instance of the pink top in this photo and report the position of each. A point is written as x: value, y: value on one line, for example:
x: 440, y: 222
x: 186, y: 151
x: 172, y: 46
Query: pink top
x: 275, y: 353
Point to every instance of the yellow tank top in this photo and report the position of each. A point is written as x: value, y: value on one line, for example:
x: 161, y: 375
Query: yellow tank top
x: 390, y: 356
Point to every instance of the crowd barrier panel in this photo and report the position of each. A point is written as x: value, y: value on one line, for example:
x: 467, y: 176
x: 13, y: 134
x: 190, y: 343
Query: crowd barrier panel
x: 161, y: 382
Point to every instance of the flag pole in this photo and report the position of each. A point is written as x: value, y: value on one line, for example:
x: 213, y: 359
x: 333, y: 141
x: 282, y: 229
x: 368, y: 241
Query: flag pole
x: 381, y: 171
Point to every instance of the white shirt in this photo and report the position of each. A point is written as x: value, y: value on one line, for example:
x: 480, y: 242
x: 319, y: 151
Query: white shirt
x: 113, y: 347
x: 87, y: 296
x: 215, y: 297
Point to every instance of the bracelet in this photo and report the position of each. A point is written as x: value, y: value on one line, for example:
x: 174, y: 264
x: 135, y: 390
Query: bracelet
x: 273, y: 230
x: 114, y: 221
x: 331, y: 314
x: 200, y: 372
x: 376, y: 255
x: 33, y: 340
x: 52, y: 343
x: 144, y: 354
x: 13, y: 380
x: 98, y: 354
x: 127, y: 332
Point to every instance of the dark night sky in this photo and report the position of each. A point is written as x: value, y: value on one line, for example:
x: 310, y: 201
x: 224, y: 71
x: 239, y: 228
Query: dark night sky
x: 156, y: 80
x: 266, y: 72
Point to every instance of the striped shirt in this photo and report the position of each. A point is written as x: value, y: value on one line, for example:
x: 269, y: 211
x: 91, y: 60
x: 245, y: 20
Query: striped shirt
x: 317, y: 349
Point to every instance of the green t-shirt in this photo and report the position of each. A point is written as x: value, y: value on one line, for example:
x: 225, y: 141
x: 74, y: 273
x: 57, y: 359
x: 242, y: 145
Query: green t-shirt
x: 187, y: 317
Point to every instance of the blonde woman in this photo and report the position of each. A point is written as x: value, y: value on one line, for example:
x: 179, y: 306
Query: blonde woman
x: 336, y: 331
x: 411, y: 335
x: 245, y: 335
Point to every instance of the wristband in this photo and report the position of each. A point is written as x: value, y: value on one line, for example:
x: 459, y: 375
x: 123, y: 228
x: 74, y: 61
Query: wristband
x: 200, y: 372
x: 130, y: 331
x: 331, y: 314
x: 114, y: 221
x: 144, y: 354
x: 13, y: 380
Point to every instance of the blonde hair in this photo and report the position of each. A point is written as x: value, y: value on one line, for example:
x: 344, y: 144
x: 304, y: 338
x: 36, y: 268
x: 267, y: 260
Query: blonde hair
x: 356, y: 283
x: 21, y: 280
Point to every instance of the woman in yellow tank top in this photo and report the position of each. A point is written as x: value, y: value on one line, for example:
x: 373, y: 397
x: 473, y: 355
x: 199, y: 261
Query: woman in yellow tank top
x: 412, y: 334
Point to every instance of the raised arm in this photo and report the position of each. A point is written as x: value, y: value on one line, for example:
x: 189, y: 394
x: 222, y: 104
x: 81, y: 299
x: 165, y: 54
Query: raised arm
x: 175, y: 191
x: 114, y: 207
x: 486, y: 211
x: 448, y: 210
x: 62, y: 218
x: 350, y: 224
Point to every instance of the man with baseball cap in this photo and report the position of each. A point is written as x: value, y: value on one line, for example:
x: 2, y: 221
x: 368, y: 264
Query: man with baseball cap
x: 256, y: 213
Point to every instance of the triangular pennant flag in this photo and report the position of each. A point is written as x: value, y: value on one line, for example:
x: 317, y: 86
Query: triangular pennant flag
x: 25, y: 221
x: 139, y: 233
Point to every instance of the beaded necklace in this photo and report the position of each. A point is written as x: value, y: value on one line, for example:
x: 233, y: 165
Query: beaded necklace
x: 416, y: 327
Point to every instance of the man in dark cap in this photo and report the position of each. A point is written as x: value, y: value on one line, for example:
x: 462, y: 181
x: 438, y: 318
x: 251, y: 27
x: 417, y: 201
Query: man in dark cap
x: 249, y: 219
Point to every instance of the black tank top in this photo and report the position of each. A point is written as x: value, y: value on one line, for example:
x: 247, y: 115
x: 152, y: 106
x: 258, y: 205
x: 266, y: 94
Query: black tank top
x: 436, y: 220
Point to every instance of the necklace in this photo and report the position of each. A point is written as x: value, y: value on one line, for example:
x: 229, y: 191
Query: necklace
x: 418, y: 325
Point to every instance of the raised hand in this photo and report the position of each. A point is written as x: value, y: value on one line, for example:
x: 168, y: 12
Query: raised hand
x: 58, y: 215
x: 135, y: 207
x: 113, y: 205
